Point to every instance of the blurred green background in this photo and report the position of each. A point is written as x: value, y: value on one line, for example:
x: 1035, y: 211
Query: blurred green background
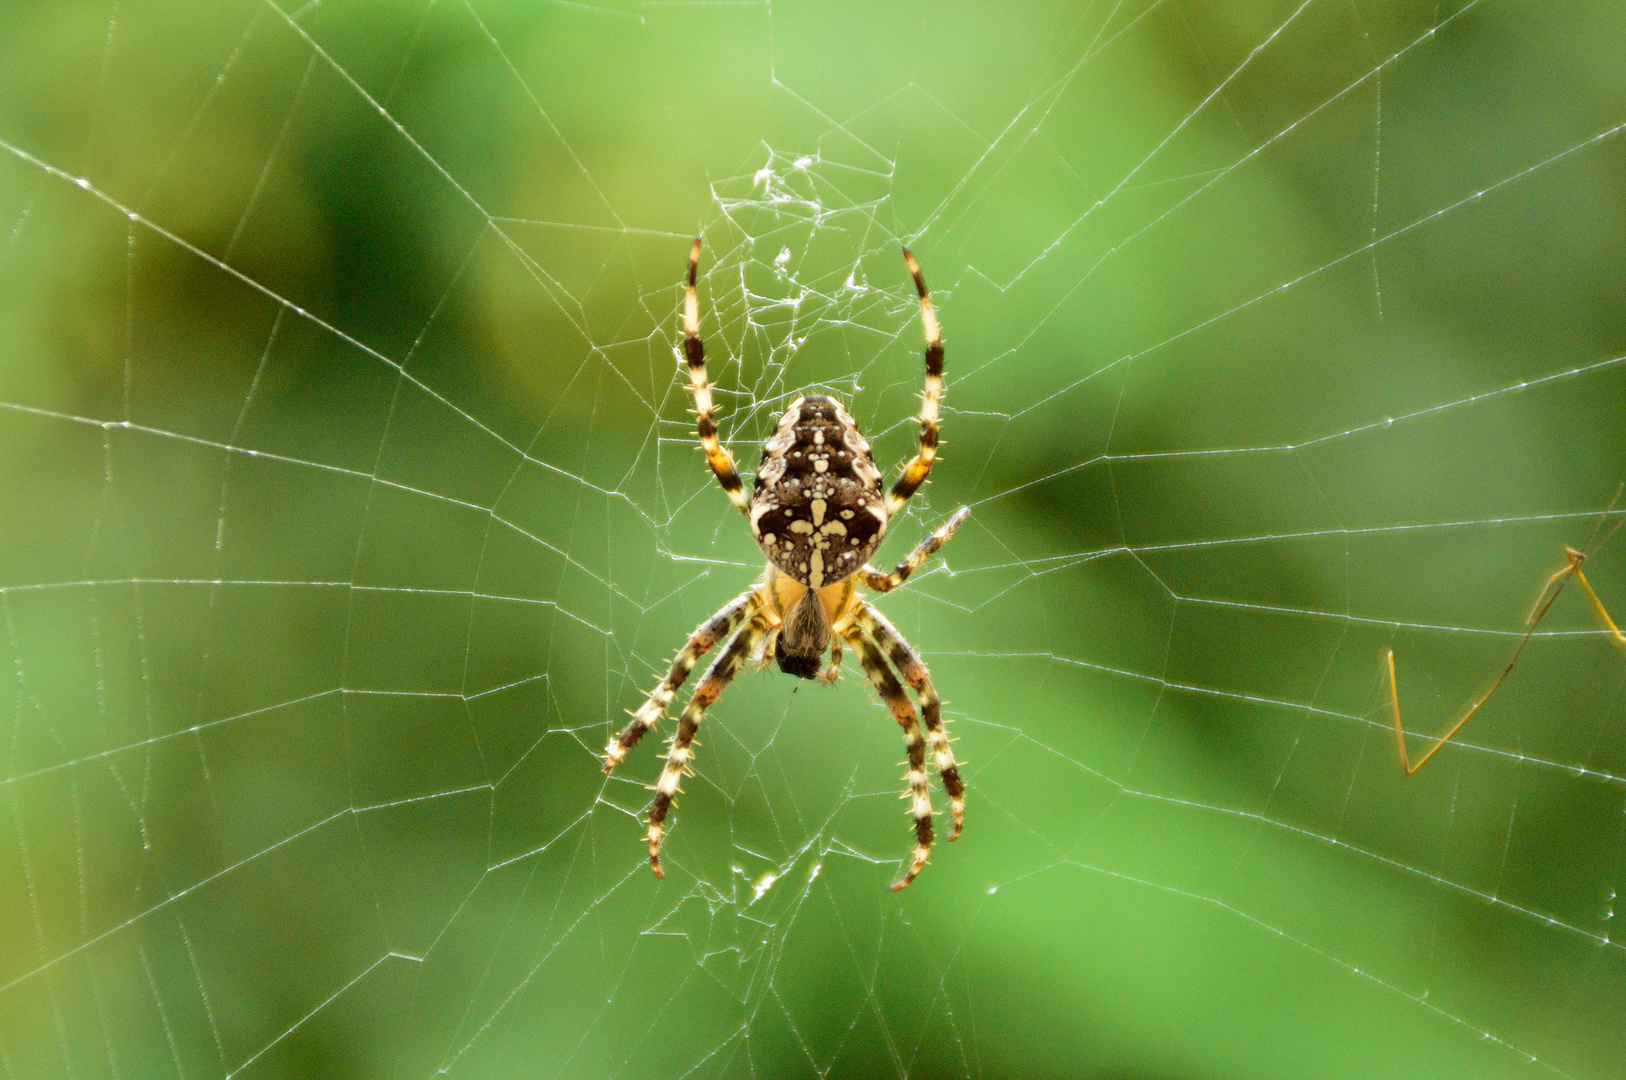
x: 350, y: 498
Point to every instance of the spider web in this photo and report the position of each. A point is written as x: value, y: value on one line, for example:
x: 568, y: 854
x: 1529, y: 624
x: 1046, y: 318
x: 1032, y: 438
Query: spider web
x: 352, y: 497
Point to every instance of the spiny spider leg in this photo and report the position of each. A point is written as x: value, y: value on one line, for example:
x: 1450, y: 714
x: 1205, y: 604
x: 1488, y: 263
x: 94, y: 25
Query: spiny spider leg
x: 700, y: 642
x: 914, y: 672
x: 712, y: 683
x: 891, y: 692
x: 914, y: 474
x: 882, y: 583
x: 1549, y: 593
x: 717, y: 456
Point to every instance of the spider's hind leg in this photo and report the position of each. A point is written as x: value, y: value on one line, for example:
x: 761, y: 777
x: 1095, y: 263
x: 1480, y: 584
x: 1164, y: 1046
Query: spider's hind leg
x: 694, y: 352
x: 914, y: 474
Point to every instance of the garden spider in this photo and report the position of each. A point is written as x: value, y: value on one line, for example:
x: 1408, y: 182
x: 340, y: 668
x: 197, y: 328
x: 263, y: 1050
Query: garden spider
x: 817, y: 510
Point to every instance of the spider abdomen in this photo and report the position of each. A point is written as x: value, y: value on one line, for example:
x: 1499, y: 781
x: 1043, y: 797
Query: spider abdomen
x: 817, y: 508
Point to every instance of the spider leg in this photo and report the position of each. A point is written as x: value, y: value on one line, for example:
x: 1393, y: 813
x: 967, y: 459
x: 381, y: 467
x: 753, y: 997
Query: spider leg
x: 717, y: 456
x: 1549, y: 593
x: 891, y: 692
x: 914, y: 474
x: 1614, y: 631
x: 712, y: 683
x: 762, y: 652
x: 874, y: 579
x: 914, y: 672
x: 700, y: 642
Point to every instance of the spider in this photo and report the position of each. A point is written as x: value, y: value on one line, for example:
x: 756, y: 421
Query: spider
x: 818, y: 511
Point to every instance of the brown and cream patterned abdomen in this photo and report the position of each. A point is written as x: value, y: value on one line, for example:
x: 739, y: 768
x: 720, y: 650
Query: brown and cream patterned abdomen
x: 817, y: 508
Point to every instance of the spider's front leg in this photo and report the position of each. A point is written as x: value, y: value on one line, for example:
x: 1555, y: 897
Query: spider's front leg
x: 707, y: 634
x: 913, y: 669
x: 891, y: 692
x: 712, y: 683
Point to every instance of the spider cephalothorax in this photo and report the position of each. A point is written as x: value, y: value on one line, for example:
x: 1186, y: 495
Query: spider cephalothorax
x: 818, y: 511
